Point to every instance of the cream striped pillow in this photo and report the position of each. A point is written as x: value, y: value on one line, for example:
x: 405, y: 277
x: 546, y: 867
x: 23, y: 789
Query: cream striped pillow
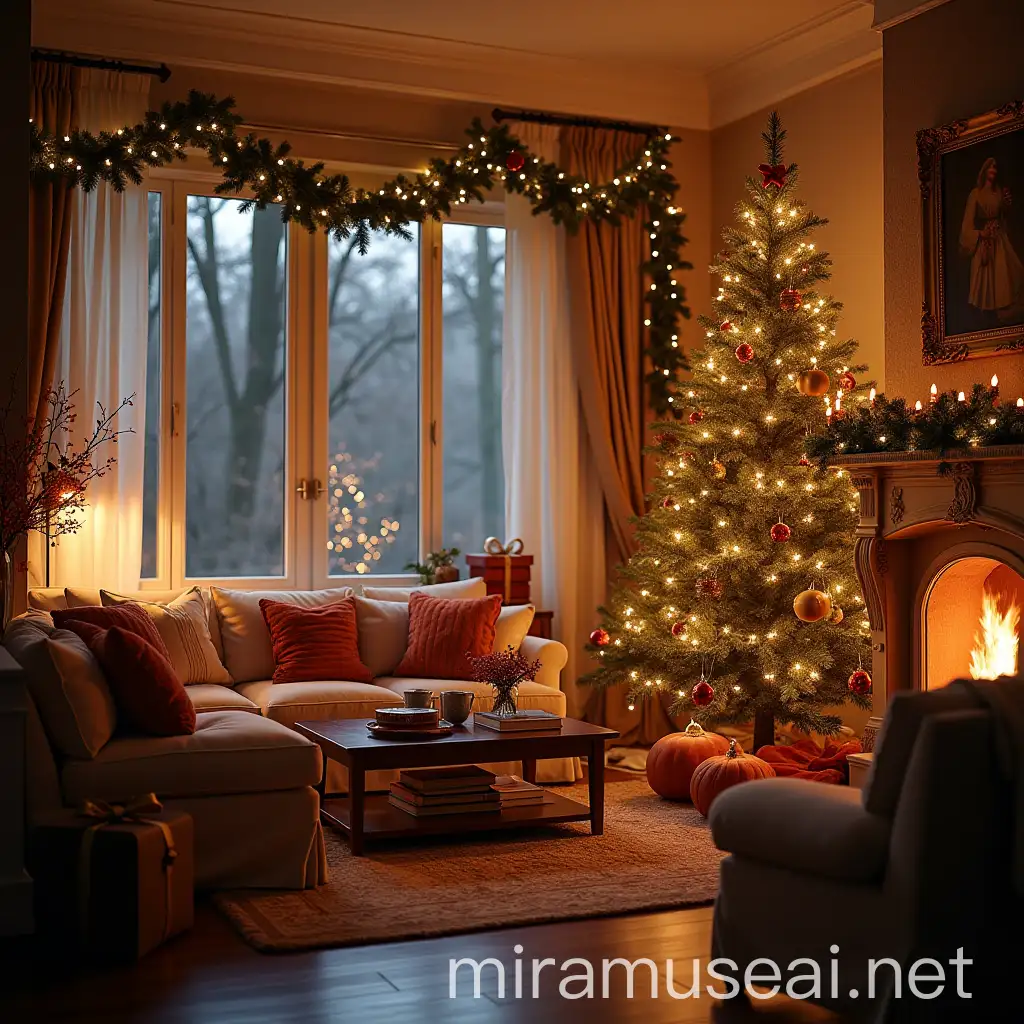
x: 185, y: 628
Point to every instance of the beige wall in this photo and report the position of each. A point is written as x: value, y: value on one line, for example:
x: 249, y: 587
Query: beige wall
x: 953, y: 61
x: 835, y: 135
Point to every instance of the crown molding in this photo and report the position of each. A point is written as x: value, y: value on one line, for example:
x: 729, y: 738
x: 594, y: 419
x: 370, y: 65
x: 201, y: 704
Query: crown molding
x: 892, y: 12
x: 812, y: 53
x: 188, y: 34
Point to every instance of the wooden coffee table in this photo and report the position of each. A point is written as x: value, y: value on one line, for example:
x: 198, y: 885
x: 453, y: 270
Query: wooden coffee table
x: 362, y: 816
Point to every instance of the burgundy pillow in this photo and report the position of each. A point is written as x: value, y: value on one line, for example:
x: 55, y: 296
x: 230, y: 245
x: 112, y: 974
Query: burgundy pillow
x: 443, y: 631
x: 315, y: 643
x: 128, y: 616
x: 150, y: 698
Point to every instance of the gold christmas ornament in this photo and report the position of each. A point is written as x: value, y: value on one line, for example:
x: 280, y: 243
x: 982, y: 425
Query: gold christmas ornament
x: 718, y: 468
x: 812, y: 606
x: 813, y: 382
x: 837, y: 615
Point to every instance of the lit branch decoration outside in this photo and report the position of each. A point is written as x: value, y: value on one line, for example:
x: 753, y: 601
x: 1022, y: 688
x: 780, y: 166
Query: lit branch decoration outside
x: 319, y: 202
x: 355, y: 543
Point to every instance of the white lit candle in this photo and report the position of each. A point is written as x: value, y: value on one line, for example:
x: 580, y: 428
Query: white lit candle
x: 995, y: 381
x: 918, y: 406
x: 1020, y: 403
x: 871, y: 396
x: 961, y: 397
x: 934, y: 393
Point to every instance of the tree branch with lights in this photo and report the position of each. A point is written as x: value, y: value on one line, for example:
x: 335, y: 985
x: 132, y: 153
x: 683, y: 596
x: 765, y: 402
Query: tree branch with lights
x: 494, y: 157
x: 741, y: 603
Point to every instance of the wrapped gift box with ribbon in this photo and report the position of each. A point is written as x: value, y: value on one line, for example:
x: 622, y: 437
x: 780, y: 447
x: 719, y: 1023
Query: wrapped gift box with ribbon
x: 114, y: 879
x: 504, y: 568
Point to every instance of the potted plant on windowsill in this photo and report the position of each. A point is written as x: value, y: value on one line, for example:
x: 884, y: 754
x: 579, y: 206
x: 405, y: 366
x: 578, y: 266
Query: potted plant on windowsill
x: 439, y: 567
x: 44, y: 474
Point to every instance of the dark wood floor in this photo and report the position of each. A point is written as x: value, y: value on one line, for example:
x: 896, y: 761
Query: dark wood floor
x: 210, y: 975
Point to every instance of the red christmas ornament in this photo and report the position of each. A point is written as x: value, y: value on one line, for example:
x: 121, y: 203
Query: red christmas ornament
x: 678, y: 628
x: 725, y: 325
x: 600, y: 638
x: 669, y: 502
x: 689, y: 456
x: 773, y: 174
x: 515, y: 161
x: 790, y: 299
x: 781, y: 533
x: 708, y: 586
x: 703, y: 693
x: 859, y: 683
x: 666, y: 442
x: 744, y: 352
x: 696, y: 416
x: 804, y: 461
x: 847, y: 381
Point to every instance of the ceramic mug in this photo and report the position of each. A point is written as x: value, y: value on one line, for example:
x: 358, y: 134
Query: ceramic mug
x: 456, y: 705
x: 418, y: 698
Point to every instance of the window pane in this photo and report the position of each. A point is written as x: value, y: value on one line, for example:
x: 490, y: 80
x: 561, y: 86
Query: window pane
x: 151, y: 452
x: 235, y: 376
x: 373, y: 475
x: 474, y: 299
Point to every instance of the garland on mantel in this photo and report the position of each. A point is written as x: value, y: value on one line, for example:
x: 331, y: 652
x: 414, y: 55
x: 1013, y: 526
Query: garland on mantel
x: 952, y: 421
x: 319, y: 202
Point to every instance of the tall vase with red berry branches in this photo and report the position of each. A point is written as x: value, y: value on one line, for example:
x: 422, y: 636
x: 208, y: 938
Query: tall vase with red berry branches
x: 45, y: 470
x: 505, y: 671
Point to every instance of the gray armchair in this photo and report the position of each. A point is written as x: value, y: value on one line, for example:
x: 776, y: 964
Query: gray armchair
x: 918, y: 865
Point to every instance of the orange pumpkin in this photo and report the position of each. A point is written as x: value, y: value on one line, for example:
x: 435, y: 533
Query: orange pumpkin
x: 717, y: 774
x: 672, y: 760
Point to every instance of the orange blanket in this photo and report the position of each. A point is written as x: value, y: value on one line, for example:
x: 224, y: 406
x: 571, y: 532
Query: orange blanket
x: 805, y: 759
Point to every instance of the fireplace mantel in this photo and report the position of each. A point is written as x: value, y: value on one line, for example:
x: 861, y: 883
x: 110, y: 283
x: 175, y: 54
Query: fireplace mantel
x: 919, y: 513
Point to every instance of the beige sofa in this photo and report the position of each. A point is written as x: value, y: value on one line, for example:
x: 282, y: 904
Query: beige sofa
x: 245, y: 775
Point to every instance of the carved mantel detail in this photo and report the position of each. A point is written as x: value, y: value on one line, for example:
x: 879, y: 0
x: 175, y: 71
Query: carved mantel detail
x: 867, y: 489
x: 965, y: 492
x: 897, y: 509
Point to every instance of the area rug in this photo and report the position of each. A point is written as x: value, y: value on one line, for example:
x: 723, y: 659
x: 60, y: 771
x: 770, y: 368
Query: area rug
x: 654, y: 854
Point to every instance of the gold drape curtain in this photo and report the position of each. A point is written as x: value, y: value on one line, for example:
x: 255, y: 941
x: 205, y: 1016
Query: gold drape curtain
x: 50, y: 210
x: 606, y: 289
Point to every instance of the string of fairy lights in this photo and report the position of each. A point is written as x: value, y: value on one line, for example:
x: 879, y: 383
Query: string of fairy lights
x: 492, y: 158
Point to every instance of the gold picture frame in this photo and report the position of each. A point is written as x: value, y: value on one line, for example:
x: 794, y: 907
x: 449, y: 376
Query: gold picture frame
x: 971, y: 174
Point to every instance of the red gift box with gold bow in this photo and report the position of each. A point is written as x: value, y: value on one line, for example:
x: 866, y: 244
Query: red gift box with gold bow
x: 504, y: 569
x: 115, y: 879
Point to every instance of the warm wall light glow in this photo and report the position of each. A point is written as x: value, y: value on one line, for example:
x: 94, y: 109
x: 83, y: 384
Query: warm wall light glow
x: 995, y: 645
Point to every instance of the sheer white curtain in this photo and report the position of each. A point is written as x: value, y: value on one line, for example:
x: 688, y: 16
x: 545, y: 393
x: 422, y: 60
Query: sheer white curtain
x: 103, y: 346
x: 553, y: 496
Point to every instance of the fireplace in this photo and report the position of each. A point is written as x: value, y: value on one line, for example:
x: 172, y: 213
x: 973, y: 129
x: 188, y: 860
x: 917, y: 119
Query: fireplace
x: 940, y: 558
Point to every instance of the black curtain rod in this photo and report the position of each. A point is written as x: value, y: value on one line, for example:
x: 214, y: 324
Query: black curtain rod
x: 77, y: 60
x: 538, y: 117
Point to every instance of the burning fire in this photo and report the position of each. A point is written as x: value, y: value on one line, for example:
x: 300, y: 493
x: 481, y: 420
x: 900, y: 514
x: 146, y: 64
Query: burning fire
x: 995, y: 646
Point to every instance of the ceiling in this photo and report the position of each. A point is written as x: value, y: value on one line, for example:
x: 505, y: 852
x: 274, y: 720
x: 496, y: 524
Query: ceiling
x: 695, y: 35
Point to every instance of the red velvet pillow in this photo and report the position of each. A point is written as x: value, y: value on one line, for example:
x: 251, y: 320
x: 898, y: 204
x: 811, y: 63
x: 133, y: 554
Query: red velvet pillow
x: 128, y: 616
x: 314, y: 643
x: 443, y: 630
x: 148, y: 694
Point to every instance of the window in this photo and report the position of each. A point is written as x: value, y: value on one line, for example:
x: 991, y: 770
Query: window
x: 236, y: 304
x: 473, y: 296
x: 313, y: 411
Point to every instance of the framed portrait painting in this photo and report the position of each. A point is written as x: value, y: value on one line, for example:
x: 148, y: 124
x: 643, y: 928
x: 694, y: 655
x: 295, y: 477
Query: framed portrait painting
x: 972, y: 190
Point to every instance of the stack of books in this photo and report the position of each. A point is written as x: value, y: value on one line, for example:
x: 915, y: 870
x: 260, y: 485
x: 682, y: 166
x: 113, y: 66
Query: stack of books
x: 465, y: 789
x: 521, y: 721
x: 514, y: 792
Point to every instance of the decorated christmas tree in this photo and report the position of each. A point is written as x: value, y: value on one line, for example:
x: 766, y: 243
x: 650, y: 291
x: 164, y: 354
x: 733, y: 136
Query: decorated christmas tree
x: 741, y: 602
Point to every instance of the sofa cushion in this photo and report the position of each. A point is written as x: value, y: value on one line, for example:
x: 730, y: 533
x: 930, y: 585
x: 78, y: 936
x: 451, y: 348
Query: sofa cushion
x: 444, y: 634
x: 150, y: 698
x: 248, y: 652
x: 45, y: 599
x: 314, y: 643
x: 214, y: 697
x: 289, y: 703
x: 66, y: 683
x: 129, y: 617
x: 228, y: 753
x: 384, y: 630
x: 532, y: 696
x: 895, y: 742
x: 457, y: 589
x: 183, y: 624
x: 802, y: 826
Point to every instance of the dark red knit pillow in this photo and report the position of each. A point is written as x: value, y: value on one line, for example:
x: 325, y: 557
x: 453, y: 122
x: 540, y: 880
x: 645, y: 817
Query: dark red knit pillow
x: 148, y: 694
x: 315, y: 643
x: 125, y: 616
x: 443, y: 630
